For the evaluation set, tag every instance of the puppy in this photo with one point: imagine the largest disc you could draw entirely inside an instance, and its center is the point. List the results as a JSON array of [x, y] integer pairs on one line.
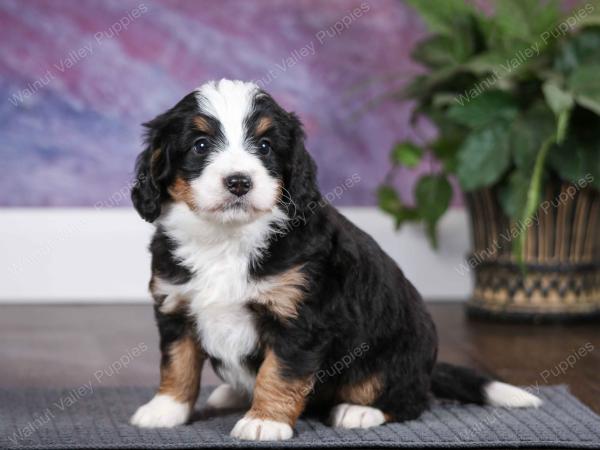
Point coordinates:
[[295, 307]]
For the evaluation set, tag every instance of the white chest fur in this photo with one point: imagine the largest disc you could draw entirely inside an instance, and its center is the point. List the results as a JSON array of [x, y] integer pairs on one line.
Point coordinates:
[[219, 257]]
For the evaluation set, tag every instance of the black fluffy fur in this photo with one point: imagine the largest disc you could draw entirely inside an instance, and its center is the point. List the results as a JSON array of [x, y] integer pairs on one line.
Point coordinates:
[[357, 296]]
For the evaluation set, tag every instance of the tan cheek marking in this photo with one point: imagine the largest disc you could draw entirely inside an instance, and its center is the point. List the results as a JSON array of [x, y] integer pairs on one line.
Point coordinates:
[[180, 375], [277, 398], [202, 124], [283, 293], [264, 123], [363, 393], [181, 191]]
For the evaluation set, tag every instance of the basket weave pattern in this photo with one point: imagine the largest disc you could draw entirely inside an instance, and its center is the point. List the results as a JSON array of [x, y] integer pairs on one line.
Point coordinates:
[[562, 255]]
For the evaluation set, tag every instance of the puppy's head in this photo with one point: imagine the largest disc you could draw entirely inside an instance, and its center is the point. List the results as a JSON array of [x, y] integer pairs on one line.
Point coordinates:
[[228, 152]]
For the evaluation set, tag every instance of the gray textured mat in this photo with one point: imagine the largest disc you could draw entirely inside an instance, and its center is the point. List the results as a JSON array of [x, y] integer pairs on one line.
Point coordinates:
[[96, 417]]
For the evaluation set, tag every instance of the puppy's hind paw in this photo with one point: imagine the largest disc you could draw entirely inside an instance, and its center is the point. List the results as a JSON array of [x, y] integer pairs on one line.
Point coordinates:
[[346, 415], [225, 397]]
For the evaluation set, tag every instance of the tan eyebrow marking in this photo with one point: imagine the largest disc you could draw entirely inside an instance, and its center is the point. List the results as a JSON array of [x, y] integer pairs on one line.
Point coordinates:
[[264, 123], [202, 124]]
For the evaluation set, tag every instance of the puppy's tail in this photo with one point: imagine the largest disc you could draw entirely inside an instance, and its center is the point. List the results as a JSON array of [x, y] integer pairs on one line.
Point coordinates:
[[468, 386]]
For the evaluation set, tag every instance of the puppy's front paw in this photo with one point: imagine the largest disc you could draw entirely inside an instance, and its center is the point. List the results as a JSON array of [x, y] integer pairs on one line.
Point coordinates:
[[346, 415], [261, 430], [162, 411]]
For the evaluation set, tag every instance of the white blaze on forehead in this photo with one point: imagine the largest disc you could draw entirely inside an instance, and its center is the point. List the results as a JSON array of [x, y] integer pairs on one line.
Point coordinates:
[[230, 102]]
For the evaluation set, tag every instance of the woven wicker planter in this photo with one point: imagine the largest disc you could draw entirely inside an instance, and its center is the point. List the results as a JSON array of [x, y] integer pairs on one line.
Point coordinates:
[[562, 258]]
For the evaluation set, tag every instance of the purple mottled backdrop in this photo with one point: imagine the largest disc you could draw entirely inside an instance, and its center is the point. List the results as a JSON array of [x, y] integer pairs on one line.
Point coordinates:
[[78, 77]]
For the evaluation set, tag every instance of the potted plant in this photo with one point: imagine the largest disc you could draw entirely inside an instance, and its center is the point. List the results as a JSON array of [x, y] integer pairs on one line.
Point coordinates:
[[515, 96]]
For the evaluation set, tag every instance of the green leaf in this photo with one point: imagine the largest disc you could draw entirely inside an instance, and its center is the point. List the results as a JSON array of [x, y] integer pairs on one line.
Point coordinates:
[[407, 154], [390, 203], [433, 52], [575, 159], [441, 50], [558, 100], [487, 62], [513, 195], [562, 104], [484, 109], [584, 82], [406, 214], [580, 49], [525, 20], [433, 194], [528, 133], [484, 156], [442, 17], [388, 200], [446, 150]]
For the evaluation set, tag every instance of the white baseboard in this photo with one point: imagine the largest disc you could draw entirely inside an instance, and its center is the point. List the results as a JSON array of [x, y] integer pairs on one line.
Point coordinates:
[[82, 255]]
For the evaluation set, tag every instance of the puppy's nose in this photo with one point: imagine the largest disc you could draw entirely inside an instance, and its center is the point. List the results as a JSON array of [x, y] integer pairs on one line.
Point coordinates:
[[238, 184]]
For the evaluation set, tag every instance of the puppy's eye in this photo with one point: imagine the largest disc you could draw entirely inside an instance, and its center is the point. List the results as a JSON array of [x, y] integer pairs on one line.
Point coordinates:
[[201, 145], [264, 146]]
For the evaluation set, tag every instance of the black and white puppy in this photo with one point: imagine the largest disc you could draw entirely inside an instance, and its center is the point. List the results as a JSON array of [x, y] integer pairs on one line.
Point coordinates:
[[296, 308]]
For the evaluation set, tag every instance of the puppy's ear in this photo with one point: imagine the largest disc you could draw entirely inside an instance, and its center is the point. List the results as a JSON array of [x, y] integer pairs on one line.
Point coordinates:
[[153, 168], [301, 181]]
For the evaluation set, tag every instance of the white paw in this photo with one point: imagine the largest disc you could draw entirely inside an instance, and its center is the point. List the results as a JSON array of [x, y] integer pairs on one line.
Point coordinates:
[[346, 415], [225, 397], [261, 430], [162, 411]]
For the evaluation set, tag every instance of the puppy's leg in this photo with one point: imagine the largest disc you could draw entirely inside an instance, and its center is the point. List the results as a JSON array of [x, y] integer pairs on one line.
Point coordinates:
[[277, 403], [404, 398], [180, 368]]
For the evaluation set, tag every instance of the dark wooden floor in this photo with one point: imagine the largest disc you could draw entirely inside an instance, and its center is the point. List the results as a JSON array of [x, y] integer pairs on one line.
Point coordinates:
[[66, 346]]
